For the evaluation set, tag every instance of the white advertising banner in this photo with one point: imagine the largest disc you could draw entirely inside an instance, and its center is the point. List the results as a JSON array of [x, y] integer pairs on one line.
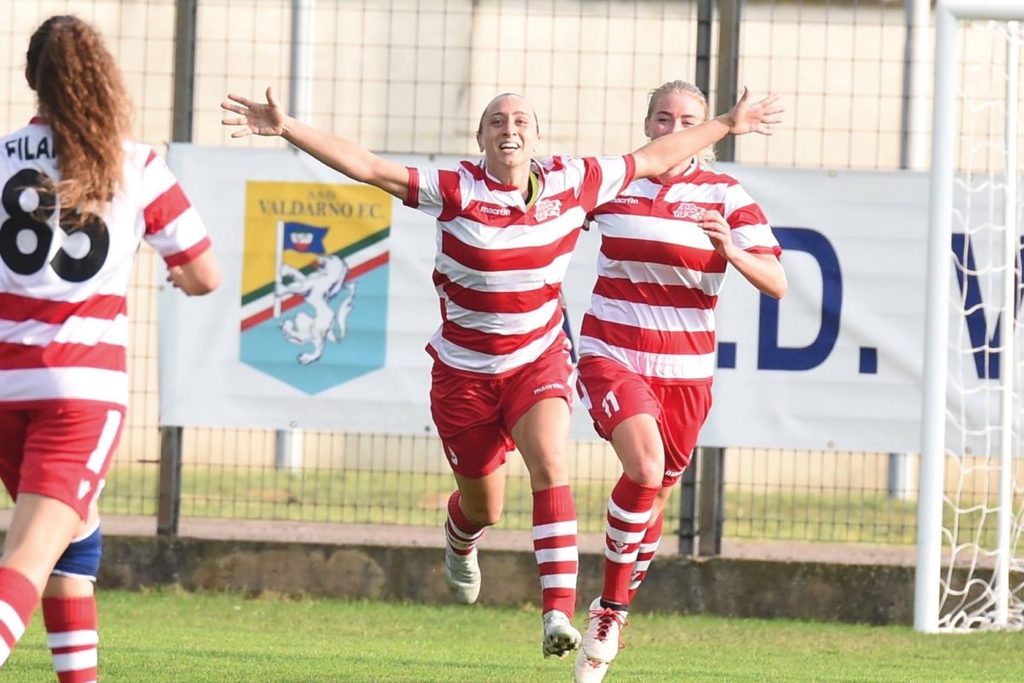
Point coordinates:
[[327, 303]]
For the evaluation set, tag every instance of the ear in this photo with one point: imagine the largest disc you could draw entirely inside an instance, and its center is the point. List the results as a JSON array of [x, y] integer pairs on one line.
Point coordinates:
[[480, 142]]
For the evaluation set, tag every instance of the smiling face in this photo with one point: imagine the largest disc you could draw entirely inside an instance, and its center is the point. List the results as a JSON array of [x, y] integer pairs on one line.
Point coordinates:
[[672, 112], [508, 133]]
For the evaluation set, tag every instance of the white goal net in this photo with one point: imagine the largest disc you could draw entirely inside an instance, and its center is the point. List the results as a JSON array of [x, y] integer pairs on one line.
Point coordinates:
[[971, 517]]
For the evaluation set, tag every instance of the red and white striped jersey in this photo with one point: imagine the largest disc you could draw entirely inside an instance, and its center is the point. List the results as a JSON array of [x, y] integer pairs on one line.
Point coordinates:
[[63, 312], [500, 264], [659, 275]]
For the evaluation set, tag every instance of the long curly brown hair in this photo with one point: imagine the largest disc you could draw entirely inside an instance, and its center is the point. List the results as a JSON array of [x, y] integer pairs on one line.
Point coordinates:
[[83, 99]]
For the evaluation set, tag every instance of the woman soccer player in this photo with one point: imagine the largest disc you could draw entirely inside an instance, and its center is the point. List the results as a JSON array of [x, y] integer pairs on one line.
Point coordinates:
[[507, 225], [77, 200], [647, 344]]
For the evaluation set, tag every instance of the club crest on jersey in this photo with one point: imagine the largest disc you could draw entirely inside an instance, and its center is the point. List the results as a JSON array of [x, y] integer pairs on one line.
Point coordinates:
[[547, 208], [688, 211], [313, 253]]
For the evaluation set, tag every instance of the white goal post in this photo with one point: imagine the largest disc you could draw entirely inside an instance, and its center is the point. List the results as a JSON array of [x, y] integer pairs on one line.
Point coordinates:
[[969, 576]]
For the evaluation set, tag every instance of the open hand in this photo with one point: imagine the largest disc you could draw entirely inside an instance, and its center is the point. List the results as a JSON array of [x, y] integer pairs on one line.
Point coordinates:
[[754, 117], [255, 118]]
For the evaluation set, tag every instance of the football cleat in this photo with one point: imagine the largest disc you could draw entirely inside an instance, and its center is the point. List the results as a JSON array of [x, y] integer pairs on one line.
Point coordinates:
[[462, 572], [560, 637]]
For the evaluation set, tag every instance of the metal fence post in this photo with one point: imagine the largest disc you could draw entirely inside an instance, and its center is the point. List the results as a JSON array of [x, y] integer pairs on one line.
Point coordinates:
[[711, 517], [169, 484], [711, 514], [184, 70], [168, 509], [726, 87], [688, 508], [702, 76]]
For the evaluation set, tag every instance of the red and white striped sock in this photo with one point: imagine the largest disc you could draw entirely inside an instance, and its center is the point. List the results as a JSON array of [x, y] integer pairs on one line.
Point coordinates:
[[72, 637], [18, 599], [629, 511], [462, 535], [554, 545], [648, 546]]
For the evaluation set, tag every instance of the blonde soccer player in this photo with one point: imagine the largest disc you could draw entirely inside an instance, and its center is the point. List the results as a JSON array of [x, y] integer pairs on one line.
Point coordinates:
[[506, 227], [647, 344]]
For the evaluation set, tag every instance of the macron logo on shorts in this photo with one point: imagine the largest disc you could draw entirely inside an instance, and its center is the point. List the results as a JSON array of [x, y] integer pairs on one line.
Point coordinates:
[[554, 386], [673, 473]]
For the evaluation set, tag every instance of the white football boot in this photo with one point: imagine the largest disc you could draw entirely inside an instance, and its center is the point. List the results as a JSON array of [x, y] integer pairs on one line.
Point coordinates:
[[560, 636], [462, 572], [600, 643]]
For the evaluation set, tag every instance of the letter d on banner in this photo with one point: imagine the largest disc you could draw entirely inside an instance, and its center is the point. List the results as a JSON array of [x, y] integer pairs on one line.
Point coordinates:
[[772, 356]]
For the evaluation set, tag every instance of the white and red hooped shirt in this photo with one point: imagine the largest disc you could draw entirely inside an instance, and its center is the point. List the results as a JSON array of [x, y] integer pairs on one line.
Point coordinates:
[[500, 263], [659, 276], [63, 293]]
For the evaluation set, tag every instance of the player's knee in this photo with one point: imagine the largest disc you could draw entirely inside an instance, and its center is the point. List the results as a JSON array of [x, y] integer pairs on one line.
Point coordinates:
[[81, 559], [645, 471], [482, 514]]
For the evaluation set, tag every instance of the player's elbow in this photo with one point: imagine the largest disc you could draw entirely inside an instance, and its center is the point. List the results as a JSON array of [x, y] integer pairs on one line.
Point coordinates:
[[207, 281], [201, 276], [205, 284], [777, 289]]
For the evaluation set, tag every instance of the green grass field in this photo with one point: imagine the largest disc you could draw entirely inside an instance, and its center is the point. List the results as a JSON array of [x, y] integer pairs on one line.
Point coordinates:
[[169, 635]]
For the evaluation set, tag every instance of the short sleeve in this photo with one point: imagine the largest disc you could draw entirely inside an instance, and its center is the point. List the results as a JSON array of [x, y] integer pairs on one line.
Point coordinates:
[[433, 191], [604, 178], [749, 226], [173, 226]]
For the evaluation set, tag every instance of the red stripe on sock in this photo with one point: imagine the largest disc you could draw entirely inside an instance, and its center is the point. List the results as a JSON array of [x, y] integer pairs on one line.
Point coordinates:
[[62, 615], [652, 536], [632, 497], [549, 506], [20, 593]]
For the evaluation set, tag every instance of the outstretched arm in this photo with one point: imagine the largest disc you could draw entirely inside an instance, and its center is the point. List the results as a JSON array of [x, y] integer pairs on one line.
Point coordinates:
[[661, 154], [337, 152]]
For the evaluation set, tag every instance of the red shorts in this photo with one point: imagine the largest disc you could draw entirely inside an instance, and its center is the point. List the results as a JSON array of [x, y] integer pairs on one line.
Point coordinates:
[[613, 393], [61, 451], [475, 414]]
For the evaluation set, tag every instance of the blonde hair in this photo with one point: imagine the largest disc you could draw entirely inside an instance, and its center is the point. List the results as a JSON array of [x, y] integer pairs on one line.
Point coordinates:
[[82, 97], [707, 154]]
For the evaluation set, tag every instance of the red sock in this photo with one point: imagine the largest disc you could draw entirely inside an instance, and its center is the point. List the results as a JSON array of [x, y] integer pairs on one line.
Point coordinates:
[[554, 545], [18, 598], [648, 546], [71, 634], [629, 511], [462, 534]]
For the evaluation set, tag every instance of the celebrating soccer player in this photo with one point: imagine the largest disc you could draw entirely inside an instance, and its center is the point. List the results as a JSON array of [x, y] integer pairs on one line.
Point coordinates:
[[78, 198], [647, 344], [507, 224]]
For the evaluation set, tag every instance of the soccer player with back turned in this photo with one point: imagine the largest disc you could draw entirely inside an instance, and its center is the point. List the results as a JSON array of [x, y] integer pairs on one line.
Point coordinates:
[[78, 198]]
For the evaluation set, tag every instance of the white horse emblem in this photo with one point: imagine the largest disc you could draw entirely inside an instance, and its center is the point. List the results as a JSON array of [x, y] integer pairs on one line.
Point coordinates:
[[318, 288]]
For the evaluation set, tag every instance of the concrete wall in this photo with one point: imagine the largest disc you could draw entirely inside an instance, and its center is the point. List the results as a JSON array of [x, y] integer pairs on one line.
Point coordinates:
[[725, 587]]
